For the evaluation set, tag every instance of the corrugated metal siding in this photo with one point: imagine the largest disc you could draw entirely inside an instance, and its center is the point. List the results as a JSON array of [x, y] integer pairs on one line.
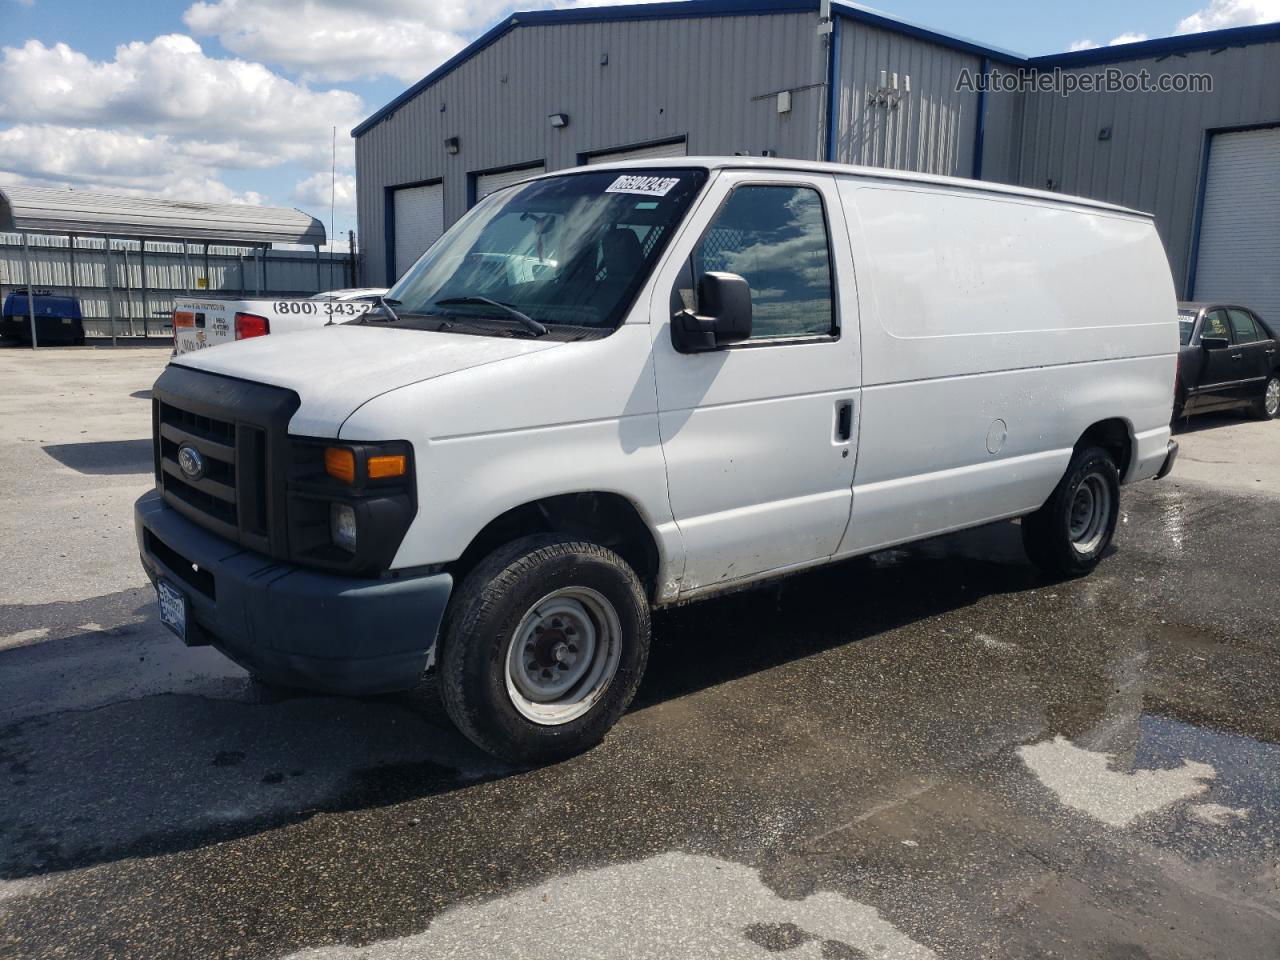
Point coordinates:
[[231, 271], [932, 129], [1153, 160], [1002, 140], [664, 79]]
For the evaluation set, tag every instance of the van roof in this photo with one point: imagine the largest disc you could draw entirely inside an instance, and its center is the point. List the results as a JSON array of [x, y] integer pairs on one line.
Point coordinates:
[[876, 173]]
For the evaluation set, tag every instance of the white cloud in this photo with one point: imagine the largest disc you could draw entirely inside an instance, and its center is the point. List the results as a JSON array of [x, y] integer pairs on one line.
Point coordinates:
[[109, 161], [1220, 14], [314, 191], [332, 40], [1127, 38], [162, 118], [1123, 38], [169, 85]]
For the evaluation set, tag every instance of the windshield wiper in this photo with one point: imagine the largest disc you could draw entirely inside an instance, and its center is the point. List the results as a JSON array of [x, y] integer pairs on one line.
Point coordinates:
[[530, 324], [385, 304]]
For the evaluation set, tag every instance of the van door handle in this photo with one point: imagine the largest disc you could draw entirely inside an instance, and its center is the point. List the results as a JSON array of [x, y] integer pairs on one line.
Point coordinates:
[[844, 420], [1236, 356]]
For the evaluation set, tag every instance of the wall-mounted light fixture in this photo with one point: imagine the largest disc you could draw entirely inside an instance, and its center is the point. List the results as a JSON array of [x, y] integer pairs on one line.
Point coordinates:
[[604, 59], [451, 144], [559, 119], [1104, 133]]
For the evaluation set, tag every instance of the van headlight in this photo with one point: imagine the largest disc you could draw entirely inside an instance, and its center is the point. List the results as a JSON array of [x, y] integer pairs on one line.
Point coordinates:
[[342, 526], [349, 504]]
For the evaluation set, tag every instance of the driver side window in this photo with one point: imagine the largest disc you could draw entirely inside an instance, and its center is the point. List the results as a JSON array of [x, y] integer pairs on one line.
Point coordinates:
[[775, 237]]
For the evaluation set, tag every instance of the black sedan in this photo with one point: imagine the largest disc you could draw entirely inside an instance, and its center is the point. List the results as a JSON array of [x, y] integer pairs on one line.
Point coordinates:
[[1228, 359]]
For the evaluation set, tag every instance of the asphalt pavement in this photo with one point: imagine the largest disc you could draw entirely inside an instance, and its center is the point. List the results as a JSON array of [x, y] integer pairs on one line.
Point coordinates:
[[929, 752]]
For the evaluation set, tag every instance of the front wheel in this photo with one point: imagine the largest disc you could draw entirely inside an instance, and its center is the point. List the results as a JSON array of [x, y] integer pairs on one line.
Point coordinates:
[[1267, 406], [1068, 535], [546, 641]]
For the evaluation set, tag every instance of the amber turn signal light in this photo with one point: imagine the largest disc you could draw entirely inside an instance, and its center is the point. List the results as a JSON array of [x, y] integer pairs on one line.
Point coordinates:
[[387, 466], [340, 464]]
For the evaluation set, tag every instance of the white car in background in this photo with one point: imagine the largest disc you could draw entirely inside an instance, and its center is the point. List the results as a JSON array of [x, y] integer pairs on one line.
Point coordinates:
[[203, 322]]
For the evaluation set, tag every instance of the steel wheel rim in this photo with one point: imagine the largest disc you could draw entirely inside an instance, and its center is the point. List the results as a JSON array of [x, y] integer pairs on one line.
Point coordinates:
[[1272, 400], [563, 655], [1089, 513]]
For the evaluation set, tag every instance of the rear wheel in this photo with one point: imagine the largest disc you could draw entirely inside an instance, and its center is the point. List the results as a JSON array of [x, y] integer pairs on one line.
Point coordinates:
[[1068, 535], [546, 642], [1267, 406]]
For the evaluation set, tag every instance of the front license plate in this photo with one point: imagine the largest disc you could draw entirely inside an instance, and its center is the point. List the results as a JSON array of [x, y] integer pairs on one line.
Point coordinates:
[[173, 608]]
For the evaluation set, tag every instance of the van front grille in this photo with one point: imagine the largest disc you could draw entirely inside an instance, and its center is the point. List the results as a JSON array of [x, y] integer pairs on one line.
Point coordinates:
[[232, 427]]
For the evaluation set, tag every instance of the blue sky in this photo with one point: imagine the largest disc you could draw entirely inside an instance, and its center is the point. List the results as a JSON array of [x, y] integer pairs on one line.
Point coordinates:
[[96, 27], [264, 136]]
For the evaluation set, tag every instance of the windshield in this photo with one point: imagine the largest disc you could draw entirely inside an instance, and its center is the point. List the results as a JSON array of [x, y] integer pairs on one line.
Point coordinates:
[[1186, 325], [570, 250]]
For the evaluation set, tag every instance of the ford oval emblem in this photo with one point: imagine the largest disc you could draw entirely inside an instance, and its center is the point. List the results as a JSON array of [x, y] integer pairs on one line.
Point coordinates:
[[190, 462]]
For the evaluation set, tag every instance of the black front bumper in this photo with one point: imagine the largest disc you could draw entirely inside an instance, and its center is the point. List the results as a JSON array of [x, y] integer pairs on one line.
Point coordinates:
[[288, 624]]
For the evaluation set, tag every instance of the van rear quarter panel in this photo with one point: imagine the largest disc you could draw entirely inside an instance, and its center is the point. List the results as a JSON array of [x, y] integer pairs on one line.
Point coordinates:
[[995, 330]]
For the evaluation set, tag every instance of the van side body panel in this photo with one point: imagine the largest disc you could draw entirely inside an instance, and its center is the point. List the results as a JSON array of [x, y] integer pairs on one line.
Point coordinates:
[[995, 331]]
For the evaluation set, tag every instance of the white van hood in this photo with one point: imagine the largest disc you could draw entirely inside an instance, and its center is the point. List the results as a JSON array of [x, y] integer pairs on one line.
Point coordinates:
[[336, 369]]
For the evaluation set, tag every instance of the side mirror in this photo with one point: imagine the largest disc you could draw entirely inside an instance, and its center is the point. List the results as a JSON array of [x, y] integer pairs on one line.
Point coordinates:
[[725, 299], [1214, 343]]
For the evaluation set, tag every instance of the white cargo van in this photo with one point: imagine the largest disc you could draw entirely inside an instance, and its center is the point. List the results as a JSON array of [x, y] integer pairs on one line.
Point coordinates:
[[617, 388]]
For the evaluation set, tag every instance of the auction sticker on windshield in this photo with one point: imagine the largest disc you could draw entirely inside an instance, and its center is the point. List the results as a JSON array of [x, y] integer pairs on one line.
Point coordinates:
[[648, 186]]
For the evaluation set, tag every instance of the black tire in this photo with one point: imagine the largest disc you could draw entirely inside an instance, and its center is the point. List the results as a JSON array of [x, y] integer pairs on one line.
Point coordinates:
[[493, 602], [1259, 406], [1049, 537]]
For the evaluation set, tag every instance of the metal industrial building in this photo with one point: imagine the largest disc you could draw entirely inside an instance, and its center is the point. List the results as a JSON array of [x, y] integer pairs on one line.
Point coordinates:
[[125, 257], [817, 80]]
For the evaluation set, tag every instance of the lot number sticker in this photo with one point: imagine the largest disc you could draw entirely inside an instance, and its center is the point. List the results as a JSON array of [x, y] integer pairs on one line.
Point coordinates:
[[647, 186]]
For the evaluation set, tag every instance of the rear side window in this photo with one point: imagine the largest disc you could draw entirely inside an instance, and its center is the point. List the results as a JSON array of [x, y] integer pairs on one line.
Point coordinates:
[[1243, 327], [1215, 325], [775, 237]]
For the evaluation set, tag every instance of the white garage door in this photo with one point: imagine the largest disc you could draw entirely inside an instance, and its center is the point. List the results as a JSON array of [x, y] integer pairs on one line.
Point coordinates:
[[1239, 256], [419, 221], [677, 149], [486, 183]]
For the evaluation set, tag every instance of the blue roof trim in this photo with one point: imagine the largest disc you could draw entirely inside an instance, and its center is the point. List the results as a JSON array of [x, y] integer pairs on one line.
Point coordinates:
[[1161, 46], [688, 9], [872, 17], [680, 10]]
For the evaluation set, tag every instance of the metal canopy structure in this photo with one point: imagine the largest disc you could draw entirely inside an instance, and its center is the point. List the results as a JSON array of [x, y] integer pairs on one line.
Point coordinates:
[[71, 213], [48, 210]]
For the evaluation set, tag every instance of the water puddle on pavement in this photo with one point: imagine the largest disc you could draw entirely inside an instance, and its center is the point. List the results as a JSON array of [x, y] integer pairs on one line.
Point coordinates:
[[1089, 782], [672, 906], [1204, 777]]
